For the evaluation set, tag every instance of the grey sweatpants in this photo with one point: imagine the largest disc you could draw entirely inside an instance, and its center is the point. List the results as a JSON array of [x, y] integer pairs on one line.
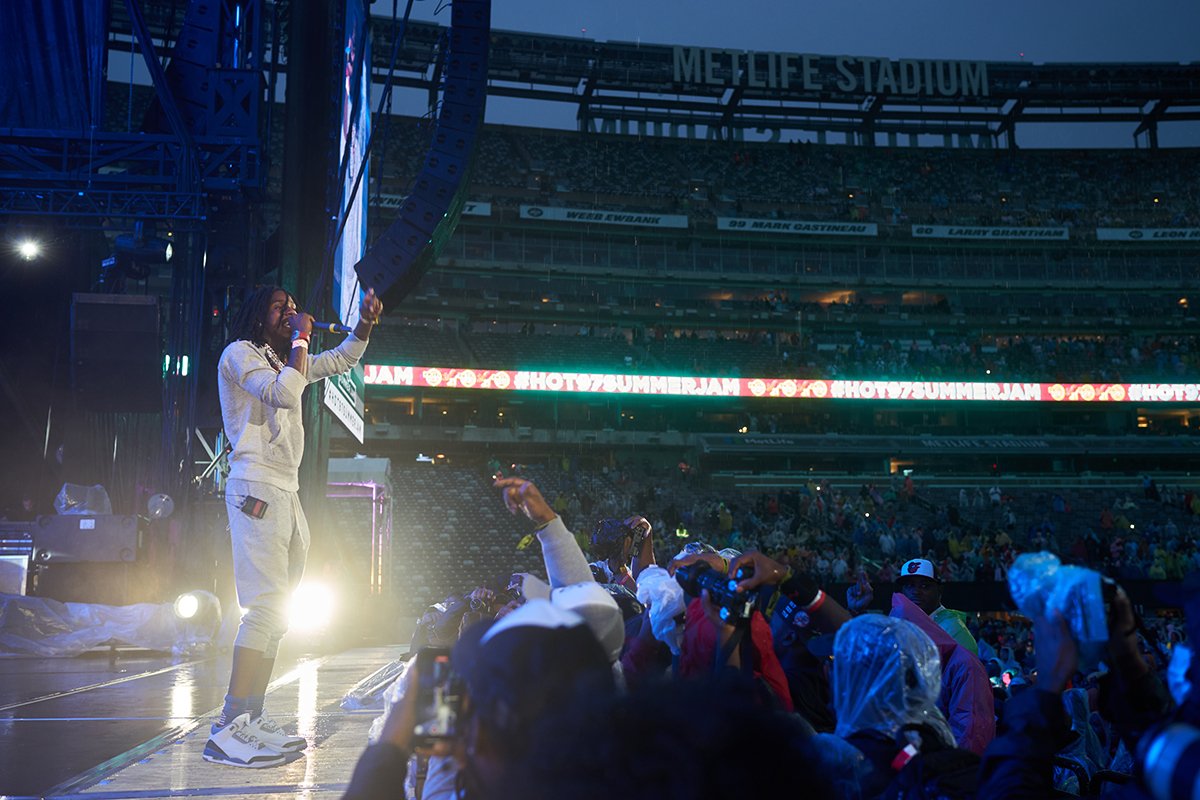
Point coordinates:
[[268, 561]]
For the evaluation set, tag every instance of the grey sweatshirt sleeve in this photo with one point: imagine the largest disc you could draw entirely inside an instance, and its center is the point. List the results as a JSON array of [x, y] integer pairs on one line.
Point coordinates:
[[340, 359], [565, 563], [244, 366]]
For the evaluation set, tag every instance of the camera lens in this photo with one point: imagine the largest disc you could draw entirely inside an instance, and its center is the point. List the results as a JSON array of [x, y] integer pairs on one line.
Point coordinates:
[[1169, 761]]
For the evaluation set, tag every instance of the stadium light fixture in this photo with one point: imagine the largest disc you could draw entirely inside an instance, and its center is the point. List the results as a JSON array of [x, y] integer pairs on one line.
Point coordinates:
[[29, 249]]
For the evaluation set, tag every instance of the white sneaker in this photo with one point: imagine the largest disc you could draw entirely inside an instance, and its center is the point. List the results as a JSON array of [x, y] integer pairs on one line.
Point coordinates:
[[267, 731], [237, 745]]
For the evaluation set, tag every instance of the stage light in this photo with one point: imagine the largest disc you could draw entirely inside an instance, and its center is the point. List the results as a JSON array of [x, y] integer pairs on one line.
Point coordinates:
[[152, 250], [312, 608], [186, 605], [198, 608], [199, 618], [29, 249]]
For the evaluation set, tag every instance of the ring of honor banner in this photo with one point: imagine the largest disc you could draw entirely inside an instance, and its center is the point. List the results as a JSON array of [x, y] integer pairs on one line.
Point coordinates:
[[600, 216], [975, 232], [1148, 235], [797, 226], [685, 386]]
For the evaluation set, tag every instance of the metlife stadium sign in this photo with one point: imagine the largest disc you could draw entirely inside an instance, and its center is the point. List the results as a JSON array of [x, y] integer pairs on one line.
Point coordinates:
[[599, 216], [379, 375], [848, 75]]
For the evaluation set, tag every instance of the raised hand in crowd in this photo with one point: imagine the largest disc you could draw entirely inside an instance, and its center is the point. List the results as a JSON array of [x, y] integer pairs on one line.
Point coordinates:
[[766, 571], [481, 596], [859, 594], [521, 495], [1056, 654], [826, 613], [1123, 637], [643, 543], [712, 559]]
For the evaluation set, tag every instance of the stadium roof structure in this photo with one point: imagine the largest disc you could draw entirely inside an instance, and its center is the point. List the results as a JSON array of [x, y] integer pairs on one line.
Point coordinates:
[[648, 88]]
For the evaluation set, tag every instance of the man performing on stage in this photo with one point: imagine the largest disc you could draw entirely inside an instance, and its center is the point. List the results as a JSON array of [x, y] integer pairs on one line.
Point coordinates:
[[261, 377]]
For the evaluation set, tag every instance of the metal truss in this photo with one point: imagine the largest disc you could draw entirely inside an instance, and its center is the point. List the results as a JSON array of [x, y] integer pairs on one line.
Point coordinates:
[[91, 207], [119, 175]]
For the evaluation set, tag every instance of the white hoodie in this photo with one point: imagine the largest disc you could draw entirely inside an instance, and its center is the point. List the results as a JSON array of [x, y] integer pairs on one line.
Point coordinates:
[[261, 408]]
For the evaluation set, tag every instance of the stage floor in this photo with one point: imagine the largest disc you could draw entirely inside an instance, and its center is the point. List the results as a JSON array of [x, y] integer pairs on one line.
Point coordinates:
[[129, 725]]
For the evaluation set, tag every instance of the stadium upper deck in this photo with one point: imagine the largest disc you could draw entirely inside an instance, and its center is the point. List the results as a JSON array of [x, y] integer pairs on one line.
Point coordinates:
[[653, 85], [711, 184]]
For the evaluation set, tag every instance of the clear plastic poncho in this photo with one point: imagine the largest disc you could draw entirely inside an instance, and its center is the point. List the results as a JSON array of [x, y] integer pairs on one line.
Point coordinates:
[[886, 674], [1039, 582], [663, 595]]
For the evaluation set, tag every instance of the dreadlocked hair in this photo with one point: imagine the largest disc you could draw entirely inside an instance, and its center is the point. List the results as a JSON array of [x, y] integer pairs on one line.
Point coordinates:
[[248, 322]]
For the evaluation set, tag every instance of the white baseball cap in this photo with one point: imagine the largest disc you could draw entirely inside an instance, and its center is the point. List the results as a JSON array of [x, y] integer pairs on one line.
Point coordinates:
[[589, 600], [918, 566]]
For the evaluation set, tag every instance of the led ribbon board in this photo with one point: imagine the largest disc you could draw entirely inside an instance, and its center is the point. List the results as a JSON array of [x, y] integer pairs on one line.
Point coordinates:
[[684, 386]]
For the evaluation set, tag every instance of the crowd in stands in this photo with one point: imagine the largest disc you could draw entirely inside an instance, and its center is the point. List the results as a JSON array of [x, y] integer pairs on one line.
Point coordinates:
[[900, 186], [680, 666], [877, 355]]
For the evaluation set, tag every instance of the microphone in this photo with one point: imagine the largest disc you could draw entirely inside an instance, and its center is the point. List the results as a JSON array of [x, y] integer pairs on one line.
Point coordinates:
[[332, 327]]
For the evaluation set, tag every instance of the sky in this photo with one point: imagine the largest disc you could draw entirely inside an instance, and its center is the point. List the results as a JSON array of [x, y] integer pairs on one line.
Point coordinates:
[[1038, 31]]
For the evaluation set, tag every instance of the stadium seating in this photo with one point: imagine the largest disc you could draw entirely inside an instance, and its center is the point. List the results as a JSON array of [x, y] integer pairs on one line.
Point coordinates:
[[823, 182]]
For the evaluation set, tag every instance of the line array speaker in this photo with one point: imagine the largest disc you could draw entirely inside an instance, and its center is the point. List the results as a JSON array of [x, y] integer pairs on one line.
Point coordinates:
[[404, 252]]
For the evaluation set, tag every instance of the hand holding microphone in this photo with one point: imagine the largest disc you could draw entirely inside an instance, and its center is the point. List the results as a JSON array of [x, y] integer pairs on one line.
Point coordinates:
[[301, 324]]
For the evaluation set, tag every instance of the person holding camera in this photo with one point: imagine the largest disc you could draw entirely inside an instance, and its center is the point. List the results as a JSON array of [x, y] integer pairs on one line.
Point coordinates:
[[623, 549], [514, 669], [765, 587], [510, 676]]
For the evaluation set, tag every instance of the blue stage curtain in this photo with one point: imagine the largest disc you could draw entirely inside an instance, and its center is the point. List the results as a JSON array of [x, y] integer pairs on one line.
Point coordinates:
[[52, 61]]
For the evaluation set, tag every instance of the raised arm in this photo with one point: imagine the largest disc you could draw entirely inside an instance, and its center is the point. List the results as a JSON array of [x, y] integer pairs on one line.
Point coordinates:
[[565, 562], [346, 355]]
